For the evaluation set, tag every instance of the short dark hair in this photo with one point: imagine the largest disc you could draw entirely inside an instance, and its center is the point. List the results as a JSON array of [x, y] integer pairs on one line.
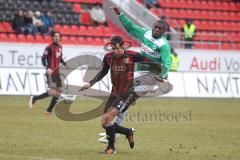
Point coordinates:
[[164, 24], [117, 40], [56, 32]]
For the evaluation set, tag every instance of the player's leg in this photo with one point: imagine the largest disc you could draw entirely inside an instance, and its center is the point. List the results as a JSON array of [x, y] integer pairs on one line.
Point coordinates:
[[118, 120], [122, 106], [33, 99], [46, 94], [55, 92], [108, 125]]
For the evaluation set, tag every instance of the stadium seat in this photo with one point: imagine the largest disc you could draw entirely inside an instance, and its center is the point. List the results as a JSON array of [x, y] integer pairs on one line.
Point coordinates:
[[99, 31], [90, 41], [225, 5], [39, 39], [3, 37], [82, 30], [73, 40], [66, 29], [232, 6], [218, 5], [155, 11], [232, 16], [12, 37], [182, 4], [226, 26], [7, 27], [204, 14], [99, 41], [225, 16], [107, 31], [91, 31], [196, 14], [226, 46], [213, 46], [77, 8], [74, 30], [175, 13], [21, 38], [65, 40], [233, 26], [211, 25], [30, 38], [204, 5], [218, 25], [189, 14], [182, 13], [218, 15], [189, 4], [81, 41], [211, 15], [86, 18], [204, 25], [47, 39], [58, 28], [211, 5]]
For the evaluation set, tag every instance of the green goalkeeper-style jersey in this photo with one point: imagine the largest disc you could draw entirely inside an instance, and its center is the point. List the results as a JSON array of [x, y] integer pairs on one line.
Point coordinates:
[[157, 50]]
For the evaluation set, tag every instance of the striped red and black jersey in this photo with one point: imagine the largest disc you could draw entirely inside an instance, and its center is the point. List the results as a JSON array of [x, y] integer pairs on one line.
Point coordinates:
[[121, 70], [52, 57]]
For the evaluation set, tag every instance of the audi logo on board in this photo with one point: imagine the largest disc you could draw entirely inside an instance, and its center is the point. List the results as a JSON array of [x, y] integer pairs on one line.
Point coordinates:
[[118, 68]]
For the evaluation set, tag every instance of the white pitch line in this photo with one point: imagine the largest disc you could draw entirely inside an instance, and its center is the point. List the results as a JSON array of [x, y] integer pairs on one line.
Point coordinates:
[[27, 157]]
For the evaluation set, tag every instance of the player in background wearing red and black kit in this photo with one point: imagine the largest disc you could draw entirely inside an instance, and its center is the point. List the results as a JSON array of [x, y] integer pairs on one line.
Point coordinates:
[[120, 62], [51, 59]]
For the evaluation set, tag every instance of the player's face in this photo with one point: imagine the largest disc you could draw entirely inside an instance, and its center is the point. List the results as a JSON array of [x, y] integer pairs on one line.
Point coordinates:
[[56, 38], [117, 49], [157, 30]]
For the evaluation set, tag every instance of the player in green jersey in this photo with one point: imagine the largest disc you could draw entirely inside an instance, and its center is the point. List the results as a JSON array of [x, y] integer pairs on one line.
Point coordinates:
[[154, 44]]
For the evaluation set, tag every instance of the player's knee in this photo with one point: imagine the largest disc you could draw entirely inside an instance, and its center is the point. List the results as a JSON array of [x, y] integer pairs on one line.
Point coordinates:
[[54, 92]]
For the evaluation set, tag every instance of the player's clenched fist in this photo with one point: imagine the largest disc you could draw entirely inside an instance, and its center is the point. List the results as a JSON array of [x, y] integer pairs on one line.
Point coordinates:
[[116, 10], [86, 86]]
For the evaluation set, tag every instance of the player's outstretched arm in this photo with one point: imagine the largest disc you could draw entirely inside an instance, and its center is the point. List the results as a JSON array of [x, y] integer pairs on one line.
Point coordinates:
[[132, 28], [102, 73]]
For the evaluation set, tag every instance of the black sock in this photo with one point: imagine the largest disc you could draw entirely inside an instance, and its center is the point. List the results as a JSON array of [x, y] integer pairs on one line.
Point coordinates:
[[122, 130], [41, 96], [52, 104], [110, 131]]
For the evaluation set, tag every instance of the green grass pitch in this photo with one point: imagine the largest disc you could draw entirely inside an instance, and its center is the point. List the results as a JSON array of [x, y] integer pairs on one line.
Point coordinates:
[[167, 129]]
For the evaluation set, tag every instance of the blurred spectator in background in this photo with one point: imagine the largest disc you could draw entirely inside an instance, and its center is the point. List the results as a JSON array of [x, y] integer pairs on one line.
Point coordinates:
[[175, 61], [29, 23], [189, 30], [18, 23], [37, 21], [152, 3], [98, 16], [48, 22]]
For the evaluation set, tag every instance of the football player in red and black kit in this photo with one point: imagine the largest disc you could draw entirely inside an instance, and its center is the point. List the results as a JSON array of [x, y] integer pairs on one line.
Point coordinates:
[[51, 59], [120, 62]]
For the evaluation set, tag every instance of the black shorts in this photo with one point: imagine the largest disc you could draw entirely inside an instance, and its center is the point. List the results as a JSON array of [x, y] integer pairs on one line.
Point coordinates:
[[54, 81], [120, 101]]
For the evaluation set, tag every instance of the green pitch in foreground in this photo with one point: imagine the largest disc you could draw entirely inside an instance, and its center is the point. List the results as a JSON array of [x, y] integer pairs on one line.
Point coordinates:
[[167, 129]]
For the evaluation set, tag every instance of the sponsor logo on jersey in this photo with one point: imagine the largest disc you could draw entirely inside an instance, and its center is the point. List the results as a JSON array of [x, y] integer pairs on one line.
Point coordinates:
[[150, 51], [118, 68]]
